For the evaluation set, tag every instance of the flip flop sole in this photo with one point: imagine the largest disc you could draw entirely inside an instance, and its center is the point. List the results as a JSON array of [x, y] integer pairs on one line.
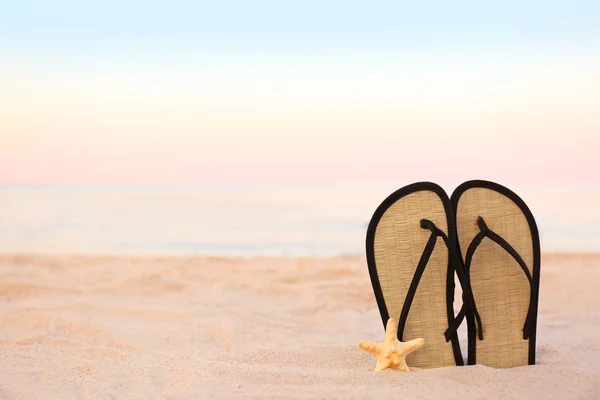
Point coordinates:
[[395, 243], [500, 287]]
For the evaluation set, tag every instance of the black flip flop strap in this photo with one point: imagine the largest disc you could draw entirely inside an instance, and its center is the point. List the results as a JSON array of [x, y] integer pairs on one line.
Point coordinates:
[[468, 301], [429, 247], [471, 301], [487, 232]]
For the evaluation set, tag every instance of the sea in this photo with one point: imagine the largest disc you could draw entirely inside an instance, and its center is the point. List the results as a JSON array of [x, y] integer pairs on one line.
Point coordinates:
[[245, 220]]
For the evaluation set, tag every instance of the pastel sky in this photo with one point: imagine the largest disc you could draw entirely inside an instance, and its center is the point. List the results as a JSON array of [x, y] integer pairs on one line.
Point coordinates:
[[315, 91]]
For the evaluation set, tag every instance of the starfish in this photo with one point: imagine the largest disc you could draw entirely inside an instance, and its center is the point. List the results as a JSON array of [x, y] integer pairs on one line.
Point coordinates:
[[392, 352]]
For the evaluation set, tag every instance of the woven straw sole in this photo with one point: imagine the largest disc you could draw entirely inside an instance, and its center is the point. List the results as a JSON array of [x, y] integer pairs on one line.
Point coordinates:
[[500, 287], [398, 243]]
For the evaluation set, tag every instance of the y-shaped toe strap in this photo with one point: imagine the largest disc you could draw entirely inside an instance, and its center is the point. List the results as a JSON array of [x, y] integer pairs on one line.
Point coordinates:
[[429, 247], [469, 304]]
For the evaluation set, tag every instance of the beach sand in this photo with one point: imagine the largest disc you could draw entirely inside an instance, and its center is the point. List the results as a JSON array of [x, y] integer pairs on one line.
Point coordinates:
[[100, 327]]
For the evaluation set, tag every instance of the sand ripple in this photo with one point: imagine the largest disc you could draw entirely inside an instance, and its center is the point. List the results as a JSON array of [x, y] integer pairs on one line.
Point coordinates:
[[104, 327]]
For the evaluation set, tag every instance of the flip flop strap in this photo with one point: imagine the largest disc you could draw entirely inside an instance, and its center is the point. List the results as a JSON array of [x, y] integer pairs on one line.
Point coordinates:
[[485, 231], [468, 307], [429, 247]]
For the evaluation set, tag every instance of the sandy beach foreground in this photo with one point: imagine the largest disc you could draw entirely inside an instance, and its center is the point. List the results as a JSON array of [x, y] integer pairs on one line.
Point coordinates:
[[100, 327]]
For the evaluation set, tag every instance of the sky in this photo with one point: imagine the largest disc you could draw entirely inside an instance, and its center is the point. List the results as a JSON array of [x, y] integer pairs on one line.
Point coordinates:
[[314, 91]]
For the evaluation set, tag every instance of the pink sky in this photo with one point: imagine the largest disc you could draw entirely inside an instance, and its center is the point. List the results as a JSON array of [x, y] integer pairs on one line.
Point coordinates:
[[524, 122], [63, 161]]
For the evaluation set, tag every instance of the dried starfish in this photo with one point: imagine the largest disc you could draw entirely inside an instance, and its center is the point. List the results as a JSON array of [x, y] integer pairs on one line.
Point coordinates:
[[392, 352]]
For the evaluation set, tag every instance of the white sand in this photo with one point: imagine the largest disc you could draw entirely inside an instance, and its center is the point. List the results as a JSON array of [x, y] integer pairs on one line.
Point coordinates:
[[177, 328]]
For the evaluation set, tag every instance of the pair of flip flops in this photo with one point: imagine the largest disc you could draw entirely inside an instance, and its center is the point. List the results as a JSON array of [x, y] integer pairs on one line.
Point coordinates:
[[418, 241]]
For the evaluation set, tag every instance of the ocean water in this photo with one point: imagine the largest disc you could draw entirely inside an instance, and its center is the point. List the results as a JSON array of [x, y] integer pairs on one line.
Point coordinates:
[[286, 220]]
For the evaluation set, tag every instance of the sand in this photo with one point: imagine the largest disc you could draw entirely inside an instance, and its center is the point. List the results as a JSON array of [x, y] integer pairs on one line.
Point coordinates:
[[99, 327]]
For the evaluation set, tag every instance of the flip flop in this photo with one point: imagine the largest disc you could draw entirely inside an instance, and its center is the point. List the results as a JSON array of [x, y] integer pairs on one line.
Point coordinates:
[[411, 258], [499, 248]]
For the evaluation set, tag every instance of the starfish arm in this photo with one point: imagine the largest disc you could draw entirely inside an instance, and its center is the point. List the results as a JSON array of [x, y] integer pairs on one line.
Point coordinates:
[[390, 330], [382, 363], [391, 353], [402, 366], [372, 348], [412, 345]]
